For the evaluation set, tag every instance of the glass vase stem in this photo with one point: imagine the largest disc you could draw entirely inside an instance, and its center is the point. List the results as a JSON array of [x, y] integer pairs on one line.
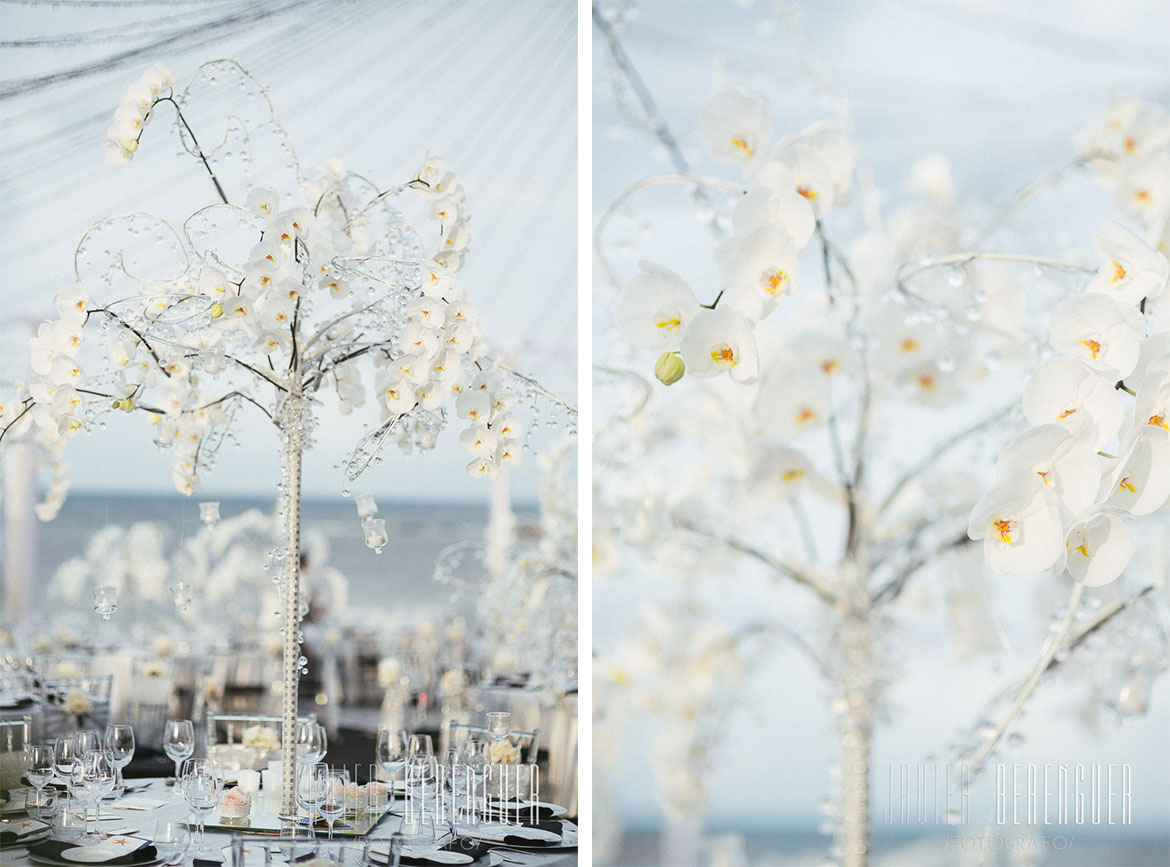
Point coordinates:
[[291, 420]]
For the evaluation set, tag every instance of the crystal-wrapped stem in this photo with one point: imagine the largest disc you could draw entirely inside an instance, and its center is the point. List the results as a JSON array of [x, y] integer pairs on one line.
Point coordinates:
[[291, 420], [857, 691]]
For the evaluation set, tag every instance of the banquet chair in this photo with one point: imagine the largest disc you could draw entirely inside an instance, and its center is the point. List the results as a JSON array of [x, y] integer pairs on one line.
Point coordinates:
[[62, 666], [60, 719], [15, 738]]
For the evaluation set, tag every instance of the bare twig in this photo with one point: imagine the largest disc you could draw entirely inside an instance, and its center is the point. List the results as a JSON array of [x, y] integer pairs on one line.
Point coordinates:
[[786, 569]]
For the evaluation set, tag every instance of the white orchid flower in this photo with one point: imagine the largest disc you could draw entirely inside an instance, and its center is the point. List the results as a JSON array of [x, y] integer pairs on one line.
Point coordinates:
[[759, 270], [736, 126], [792, 402], [654, 308], [1152, 403], [1070, 393], [720, 341], [1098, 548], [1020, 529], [810, 172], [1140, 481], [1132, 271], [1099, 330], [1052, 458]]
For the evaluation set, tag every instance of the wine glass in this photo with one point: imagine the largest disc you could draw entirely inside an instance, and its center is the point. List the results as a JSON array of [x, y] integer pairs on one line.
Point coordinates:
[[42, 803], [89, 740], [172, 840], [67, 759], [40, 765], [95, 780], [119, 741], [179, 742], [499, 725], [201, 792], [332, 806], [312, 743], [421, 744], [311, 782], [392, 750]]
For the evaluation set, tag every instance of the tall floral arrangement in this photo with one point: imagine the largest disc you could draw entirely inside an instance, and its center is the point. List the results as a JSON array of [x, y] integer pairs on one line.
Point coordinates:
[[782, 443], [284, 289]]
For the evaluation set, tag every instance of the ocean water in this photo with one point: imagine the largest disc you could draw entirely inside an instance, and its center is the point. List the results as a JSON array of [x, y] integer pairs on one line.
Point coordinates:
[[403, 572]]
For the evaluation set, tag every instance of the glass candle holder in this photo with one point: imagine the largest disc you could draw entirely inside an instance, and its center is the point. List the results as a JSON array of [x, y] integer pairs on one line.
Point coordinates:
[[181, 595], [209, 514], [375, 530], [105, 600], [366, 507]]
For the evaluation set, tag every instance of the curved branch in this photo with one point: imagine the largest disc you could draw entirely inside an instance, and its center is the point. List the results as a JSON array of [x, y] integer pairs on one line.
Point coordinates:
[[786, 569]]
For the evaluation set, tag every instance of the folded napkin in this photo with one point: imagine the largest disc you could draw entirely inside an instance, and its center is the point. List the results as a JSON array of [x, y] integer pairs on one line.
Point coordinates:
[[11, 831], [54, 850], [140, 803]]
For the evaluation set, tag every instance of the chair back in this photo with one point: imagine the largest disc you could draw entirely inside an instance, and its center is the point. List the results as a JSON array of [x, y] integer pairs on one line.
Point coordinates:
[[15, 738], [71, 704]]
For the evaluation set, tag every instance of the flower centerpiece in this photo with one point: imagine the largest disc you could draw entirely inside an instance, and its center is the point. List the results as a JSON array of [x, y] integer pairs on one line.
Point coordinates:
[[283, 289]]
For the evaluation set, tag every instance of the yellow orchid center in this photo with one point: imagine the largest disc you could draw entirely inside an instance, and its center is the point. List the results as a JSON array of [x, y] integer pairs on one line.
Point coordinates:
[[670, 324], [792, 475], [908, 345], [1130, 145], [1094, 347], [1004, 527], [774, 280], [1128, 485], [724, 355], [926, 382], [1067, 413], [1118, 272], [804, 415], [808, 192], [1159, 421], [1084, 550], [1043, 474], [741, 145], [829, 366], [1143, 196]]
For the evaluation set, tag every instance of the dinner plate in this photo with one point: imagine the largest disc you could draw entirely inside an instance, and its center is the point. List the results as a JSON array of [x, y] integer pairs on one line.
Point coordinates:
[[50, 862], [512, 806]]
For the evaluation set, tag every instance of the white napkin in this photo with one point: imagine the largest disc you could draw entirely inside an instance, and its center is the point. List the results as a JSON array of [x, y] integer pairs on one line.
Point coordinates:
[[22, 827], [140, 803], [107, 850]]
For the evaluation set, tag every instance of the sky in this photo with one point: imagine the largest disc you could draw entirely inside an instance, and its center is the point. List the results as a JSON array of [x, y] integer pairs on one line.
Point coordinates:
[[490, 86], [1001, 89]]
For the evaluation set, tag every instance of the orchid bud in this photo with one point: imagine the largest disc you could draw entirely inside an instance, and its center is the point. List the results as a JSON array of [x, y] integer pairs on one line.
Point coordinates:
[[127, 404], [669, 368], [216, 310]]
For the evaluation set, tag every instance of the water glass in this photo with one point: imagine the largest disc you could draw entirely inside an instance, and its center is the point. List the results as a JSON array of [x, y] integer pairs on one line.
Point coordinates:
[[312, 743], [42, 804], [172, 840], [69, 823], [332, 807], [201, 791]]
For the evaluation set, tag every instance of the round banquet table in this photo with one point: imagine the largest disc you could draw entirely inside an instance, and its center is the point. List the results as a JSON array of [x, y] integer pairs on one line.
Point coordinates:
[[142, 822]]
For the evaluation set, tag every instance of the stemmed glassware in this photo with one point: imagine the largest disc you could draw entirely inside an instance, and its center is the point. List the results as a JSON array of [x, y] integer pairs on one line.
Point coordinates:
[[119, 741], [172, 840], [392, 750], [67, 759], [312, 743], [332, 806], [179, 742], [95, 780], [200, 785], [375, 532], [89, 740], [40, 765], [311, 783], [420, 767]]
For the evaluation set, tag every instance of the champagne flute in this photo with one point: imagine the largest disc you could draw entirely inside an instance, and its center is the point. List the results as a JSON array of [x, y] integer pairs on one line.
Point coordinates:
[[120, 742], [179, 742], [392, 750], [201, 791], [333, 804]]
